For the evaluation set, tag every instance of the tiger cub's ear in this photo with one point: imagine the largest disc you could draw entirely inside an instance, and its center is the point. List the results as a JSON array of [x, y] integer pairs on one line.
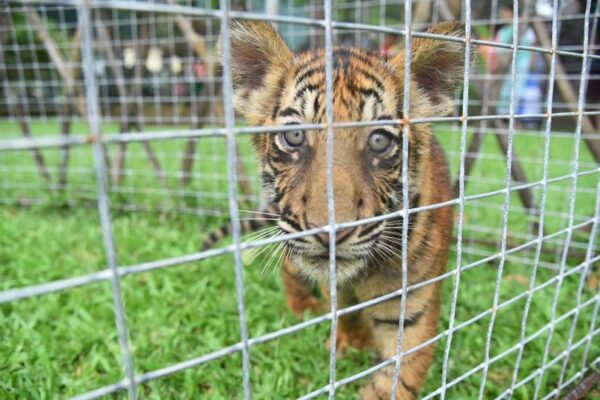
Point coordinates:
[[258, 54], [437, 66]]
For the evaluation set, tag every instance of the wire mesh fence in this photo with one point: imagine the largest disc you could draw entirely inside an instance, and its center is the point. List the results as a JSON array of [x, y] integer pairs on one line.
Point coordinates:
[[126, 108]]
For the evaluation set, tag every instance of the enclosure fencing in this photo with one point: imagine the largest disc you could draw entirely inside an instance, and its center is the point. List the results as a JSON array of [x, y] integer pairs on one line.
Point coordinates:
[[120, 120]]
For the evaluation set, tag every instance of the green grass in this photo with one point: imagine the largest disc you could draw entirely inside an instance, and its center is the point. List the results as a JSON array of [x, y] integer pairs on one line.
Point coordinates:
[[65, 343]]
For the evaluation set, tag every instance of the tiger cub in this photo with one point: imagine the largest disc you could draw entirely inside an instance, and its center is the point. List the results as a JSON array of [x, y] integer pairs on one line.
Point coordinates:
[[274, 86]]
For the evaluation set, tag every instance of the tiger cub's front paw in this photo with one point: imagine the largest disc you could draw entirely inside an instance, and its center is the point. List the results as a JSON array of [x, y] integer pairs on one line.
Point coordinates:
[[357, 338], [298, 305]]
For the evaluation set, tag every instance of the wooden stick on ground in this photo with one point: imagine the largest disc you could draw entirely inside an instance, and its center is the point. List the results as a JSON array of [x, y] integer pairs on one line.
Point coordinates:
[[584, 387]]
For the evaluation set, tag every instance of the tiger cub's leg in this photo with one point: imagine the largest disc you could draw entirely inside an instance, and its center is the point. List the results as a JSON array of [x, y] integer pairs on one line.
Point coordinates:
[[352, 329], [420, 322], [298, 292]]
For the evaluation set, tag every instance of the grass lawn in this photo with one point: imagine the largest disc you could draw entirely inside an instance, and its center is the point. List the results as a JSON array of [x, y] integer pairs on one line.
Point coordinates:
[[65, 343]]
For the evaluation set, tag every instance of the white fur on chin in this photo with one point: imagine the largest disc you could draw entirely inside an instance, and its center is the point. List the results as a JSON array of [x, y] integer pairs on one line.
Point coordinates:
[[318, 270]]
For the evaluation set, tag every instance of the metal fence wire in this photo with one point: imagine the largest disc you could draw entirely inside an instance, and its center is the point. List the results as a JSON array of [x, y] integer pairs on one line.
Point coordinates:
[[125, 106]]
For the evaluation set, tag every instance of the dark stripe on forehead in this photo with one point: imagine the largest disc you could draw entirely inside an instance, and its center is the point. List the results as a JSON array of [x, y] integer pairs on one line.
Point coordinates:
[[310, 65], [279, 93], [346, 102], [369, 76], [365, 92], [370, 92], [399, 108], [288, 112], [337, 75], [307, 74], [346, 53], [341, 58], [361, 107], [308, 59], [316, 104], [304, 89]]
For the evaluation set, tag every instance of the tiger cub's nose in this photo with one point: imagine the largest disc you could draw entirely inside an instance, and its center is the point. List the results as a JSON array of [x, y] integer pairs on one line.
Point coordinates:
[[340, 235]]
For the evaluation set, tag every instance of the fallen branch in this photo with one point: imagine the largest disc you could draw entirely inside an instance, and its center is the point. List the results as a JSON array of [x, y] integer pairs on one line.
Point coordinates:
[[583, 387]]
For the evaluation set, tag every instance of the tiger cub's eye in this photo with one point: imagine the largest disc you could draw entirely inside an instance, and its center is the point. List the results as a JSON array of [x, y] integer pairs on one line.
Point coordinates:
[[379, 141], [293, 138]]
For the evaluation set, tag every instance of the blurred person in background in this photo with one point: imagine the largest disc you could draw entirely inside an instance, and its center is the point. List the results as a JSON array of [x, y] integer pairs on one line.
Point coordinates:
[[527, 85]]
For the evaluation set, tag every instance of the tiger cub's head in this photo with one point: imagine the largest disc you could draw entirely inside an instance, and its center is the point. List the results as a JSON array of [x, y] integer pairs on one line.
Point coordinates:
[[274, 86]]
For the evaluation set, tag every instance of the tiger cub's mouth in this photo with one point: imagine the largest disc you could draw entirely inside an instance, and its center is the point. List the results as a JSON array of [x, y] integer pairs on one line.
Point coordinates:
[[316, 267], [314, 263], [352, 254]]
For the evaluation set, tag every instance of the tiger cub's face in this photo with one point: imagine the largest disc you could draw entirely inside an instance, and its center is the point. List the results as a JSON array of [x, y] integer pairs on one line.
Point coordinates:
[[273, 86]]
